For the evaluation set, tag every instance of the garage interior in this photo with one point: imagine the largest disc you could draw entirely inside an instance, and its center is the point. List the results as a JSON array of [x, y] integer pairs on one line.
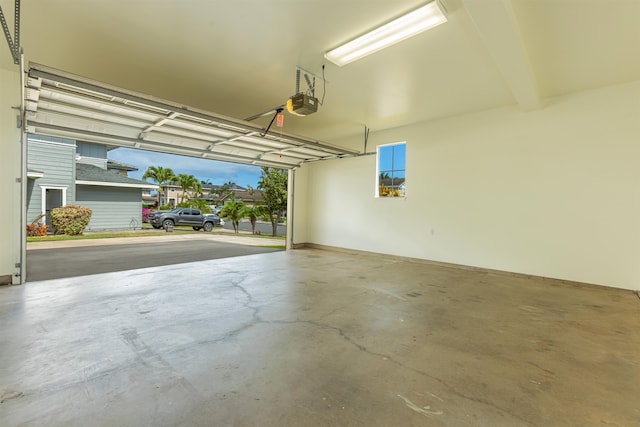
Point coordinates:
[[502, 289]]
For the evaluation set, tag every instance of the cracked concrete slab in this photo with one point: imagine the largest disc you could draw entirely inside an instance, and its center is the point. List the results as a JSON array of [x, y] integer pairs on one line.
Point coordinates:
[[315, 337]]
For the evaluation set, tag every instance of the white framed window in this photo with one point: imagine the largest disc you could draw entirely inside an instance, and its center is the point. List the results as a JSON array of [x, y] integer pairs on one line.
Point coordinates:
[[391, 160]]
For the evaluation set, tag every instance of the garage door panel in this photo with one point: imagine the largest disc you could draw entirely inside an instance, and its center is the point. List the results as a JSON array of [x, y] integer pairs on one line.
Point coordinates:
[[62, 104]]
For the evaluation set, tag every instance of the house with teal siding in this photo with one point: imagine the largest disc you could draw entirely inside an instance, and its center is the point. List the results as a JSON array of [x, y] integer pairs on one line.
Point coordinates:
[[61, 172]]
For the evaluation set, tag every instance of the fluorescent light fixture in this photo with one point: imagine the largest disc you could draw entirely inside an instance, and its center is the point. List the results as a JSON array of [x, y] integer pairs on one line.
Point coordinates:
[[409, 25]]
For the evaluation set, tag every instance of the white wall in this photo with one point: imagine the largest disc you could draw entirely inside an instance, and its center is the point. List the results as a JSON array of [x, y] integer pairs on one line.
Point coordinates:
[[10, 169], [553, 192], [114, 208]]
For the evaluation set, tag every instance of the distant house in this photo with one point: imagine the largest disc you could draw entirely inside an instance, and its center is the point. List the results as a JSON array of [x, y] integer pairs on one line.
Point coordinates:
[[170, 195], [394, 184], [121, 168], [218, 195], [149, 200], [62, 172], [214, 195]]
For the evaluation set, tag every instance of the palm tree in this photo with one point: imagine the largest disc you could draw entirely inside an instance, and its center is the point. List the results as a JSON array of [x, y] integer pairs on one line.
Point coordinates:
[[197, 188], [234, 212], [186, 182], [252, 212], [160, 175]]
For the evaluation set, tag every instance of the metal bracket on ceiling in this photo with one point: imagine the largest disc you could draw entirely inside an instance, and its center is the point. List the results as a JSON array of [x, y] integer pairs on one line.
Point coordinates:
[[14, 45], [309, 77], [311, 82]]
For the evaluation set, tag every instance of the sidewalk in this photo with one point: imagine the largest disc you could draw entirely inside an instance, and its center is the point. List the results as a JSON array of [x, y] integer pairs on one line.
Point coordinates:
[[242, 239]]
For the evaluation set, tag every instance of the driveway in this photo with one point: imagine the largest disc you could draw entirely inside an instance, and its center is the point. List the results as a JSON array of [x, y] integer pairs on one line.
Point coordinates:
[[53, 260]]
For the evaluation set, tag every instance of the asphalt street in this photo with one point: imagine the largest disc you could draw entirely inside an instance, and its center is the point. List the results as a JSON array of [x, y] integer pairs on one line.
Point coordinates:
[[46, 264], [264, 228]]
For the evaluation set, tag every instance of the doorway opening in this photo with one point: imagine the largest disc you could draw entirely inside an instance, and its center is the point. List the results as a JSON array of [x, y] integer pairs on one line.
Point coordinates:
[[53, 199]]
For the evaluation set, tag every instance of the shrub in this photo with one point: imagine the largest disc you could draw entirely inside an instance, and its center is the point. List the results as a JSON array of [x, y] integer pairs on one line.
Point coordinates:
[[145, 214], [36, 228], [71, 219]]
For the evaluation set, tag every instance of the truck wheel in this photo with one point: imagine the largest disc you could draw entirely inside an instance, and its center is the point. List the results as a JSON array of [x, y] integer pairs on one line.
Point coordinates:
[[208, 226], [167, 223], [196, 228]]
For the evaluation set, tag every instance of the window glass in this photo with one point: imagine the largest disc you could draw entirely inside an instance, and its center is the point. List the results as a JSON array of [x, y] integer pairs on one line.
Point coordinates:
[[391, 170]]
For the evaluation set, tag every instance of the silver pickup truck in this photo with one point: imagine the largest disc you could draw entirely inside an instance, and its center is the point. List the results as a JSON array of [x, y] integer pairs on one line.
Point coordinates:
[[185, 216]]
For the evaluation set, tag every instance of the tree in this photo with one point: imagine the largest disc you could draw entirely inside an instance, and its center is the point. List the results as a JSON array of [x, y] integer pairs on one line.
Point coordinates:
[[252, 212], [199, 204], [160, 175], [186, 182], [197, 188], [273, 183], [234, 212]]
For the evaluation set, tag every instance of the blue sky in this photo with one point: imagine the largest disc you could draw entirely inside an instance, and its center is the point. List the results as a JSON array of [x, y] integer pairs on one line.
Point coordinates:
[[215, 171], [393, 159]]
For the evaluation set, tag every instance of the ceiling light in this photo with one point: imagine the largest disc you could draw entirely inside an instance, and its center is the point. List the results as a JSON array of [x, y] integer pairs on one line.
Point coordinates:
[[409, 25]]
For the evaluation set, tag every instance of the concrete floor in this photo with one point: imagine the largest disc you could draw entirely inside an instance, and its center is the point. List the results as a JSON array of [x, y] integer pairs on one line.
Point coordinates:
[[317, 338]]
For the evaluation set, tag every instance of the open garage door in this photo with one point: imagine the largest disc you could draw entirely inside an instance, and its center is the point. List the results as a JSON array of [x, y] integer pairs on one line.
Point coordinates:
[[64, 105], [60, 104]]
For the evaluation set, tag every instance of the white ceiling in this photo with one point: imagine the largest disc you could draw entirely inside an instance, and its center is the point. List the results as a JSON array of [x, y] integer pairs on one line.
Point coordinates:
[[238, 57]]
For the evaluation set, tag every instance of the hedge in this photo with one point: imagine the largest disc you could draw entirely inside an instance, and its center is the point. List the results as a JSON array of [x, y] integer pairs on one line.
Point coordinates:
[[70, 219]]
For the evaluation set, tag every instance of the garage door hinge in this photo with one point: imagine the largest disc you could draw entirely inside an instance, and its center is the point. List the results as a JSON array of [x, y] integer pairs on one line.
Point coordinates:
[[18, 265], [18, 180], [19, 122]]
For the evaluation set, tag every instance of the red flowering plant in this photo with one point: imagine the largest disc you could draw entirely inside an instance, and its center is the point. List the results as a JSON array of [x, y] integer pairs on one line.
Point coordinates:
[[37, 228], [145, 214]]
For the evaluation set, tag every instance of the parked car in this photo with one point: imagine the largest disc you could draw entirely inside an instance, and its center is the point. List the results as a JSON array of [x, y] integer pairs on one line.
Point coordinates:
[[185, 216]]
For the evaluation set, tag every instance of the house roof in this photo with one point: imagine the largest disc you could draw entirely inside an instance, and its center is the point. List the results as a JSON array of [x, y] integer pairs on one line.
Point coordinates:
[[389, 182], [213, 187], [93, 175], [244, 195], [112, 164]]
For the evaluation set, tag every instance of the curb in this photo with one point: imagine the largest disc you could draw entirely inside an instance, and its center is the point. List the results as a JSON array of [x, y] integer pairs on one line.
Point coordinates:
[[169, 237]]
